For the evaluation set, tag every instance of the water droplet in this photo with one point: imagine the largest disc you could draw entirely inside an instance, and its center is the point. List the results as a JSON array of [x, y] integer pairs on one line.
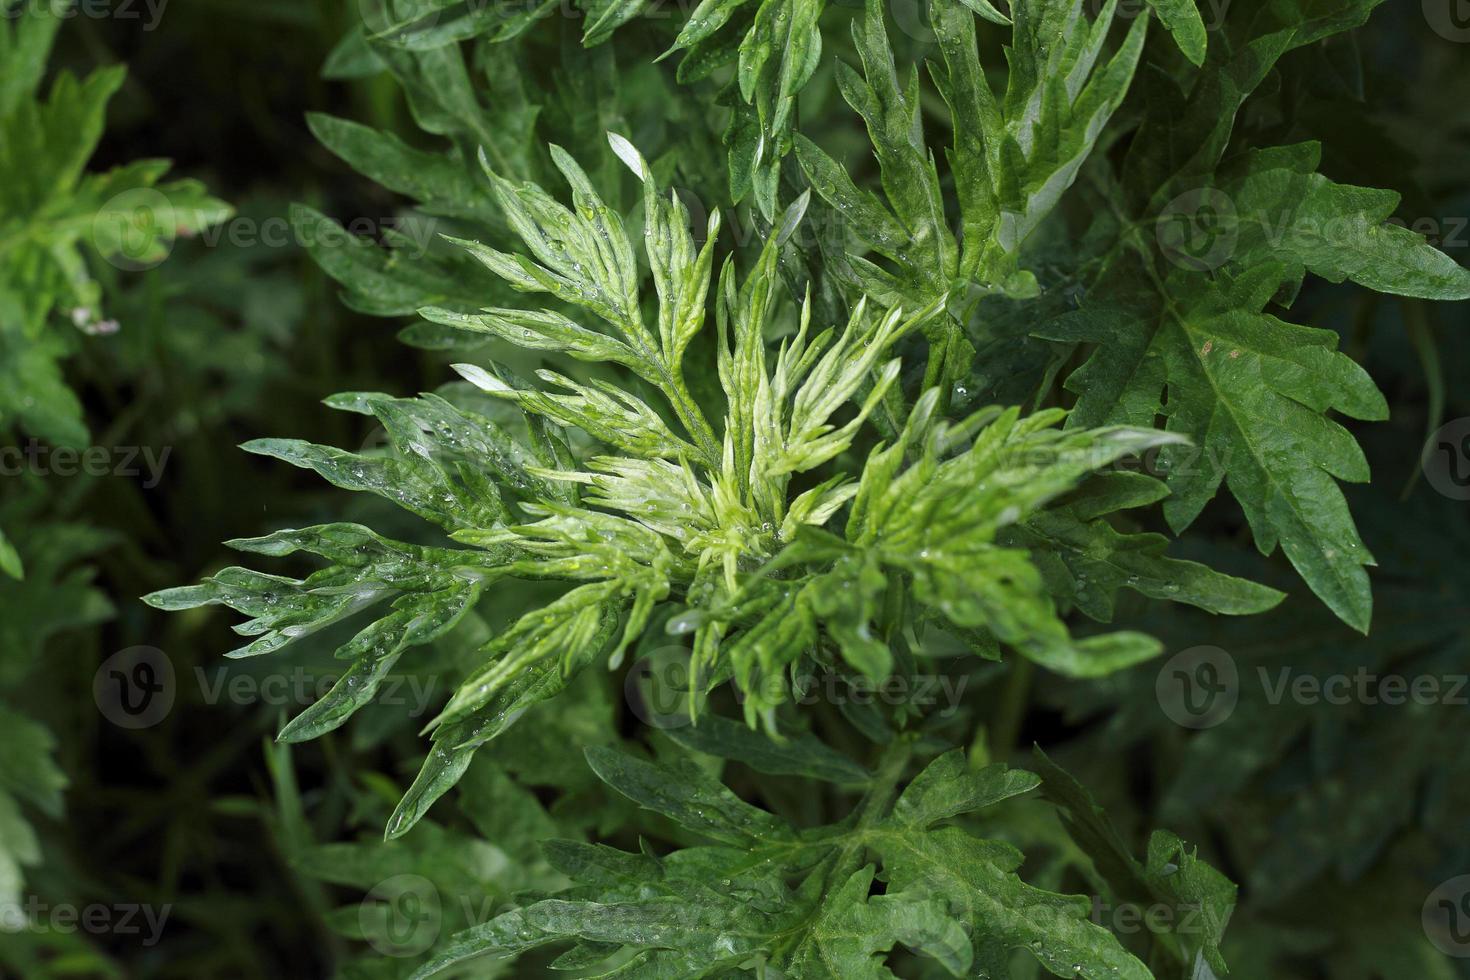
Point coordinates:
[[686, 622]]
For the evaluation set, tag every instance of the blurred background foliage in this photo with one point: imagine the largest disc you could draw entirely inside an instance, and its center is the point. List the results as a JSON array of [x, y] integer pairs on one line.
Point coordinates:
[[264, 852]]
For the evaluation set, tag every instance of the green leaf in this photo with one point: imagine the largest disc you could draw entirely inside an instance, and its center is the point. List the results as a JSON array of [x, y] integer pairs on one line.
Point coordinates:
[[1288, 213], [1200, 898], [455, 743], [801, 755], [686, 796], [392, 281], [444, 185], [59, 224], [949, 787], [656, 505], [10, 562], [1182, 19], [57, 593], [1012, 159], [1085, 559], [1251, 391], [29, 772], [950, 898]]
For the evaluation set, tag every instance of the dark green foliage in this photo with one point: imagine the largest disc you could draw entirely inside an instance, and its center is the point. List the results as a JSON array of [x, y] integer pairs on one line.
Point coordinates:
[[811, 405]]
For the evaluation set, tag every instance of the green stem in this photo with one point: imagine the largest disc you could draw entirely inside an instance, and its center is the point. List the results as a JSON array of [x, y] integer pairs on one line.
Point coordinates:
[[934, 369], [870, 810], [1007, 726], [947, 363], [1416, 320], [873, 807], [693, 419]]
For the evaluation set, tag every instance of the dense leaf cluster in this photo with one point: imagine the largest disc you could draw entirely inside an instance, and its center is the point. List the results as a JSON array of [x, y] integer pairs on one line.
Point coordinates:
[[916, 421], [60, 227]]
